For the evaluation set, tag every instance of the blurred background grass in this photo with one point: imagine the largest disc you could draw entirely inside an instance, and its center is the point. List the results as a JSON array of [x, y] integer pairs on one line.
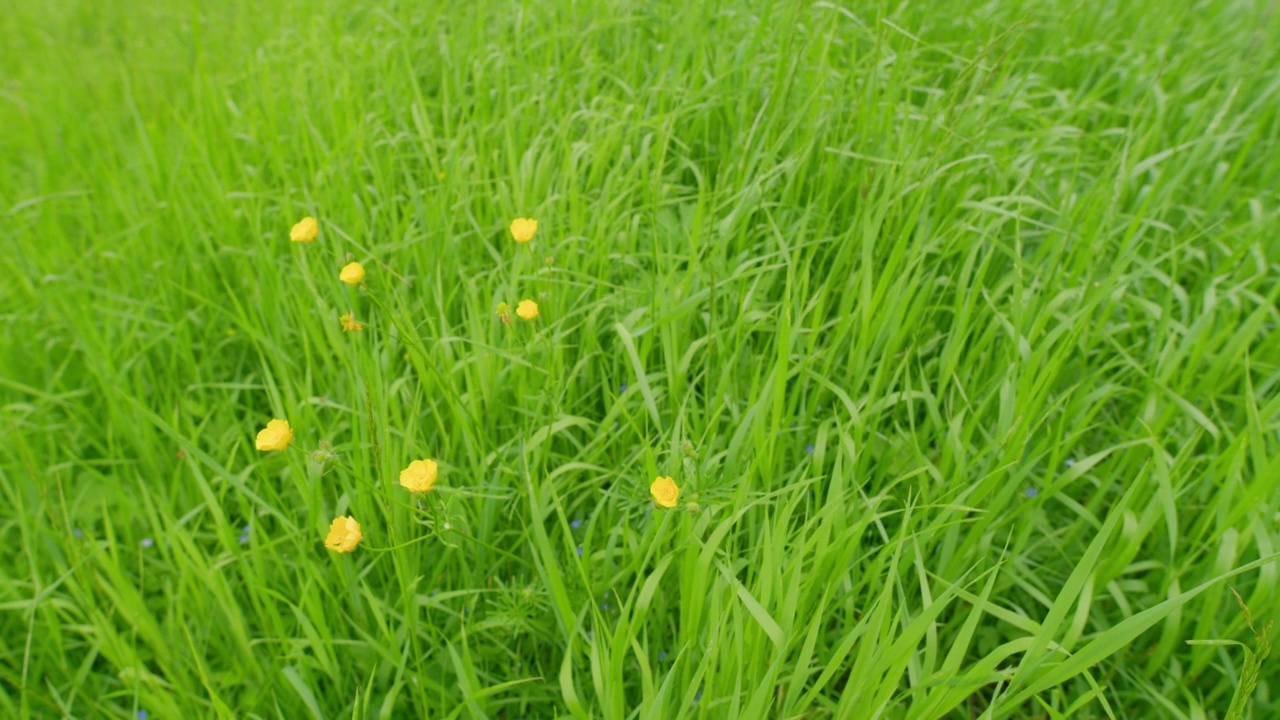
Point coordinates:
[[954, 321]]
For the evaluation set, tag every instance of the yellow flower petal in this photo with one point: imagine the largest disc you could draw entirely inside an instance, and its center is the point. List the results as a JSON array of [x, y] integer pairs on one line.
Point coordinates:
[[527, 310], [352, 273], [664, 491], [349, 322], [275, 436], [420, 476], [523, 229], [305, 231], [344, 535]]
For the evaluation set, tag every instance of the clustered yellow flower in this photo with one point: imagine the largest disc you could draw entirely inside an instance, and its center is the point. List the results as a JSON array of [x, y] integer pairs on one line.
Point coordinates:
[[420, 476], [349, 322], [665, 492], [275, 436], [352, 273], [305, 231], [344, 535], [523, 229]]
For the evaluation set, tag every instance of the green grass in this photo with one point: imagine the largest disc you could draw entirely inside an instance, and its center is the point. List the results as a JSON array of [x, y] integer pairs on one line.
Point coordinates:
[[858, 275]]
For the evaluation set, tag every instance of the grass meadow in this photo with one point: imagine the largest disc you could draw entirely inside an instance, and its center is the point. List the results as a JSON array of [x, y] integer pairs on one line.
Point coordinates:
[[954, 322]]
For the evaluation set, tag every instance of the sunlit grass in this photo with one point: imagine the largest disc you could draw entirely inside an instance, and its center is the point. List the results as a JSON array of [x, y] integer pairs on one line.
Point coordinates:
[[953, 326]]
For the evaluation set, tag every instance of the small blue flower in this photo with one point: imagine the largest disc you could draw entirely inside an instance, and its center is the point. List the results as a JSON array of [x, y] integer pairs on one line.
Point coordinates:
[[604, 606], [696, 698], [1071, 462], [244, 539], [142, 715], [78, 533], [793, 423], [579, 551], [662, 655], [147, 542], [808, 449], [466, 609], [245, 530], [1032, 492], [575, 524], [624, 387]]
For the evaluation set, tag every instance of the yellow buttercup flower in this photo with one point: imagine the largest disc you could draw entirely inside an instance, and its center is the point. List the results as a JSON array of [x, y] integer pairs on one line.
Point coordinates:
[[275, 436], [664, 491], [305, 231], [527, 310], [349, 323], [523, 229], [352, 273], [344, 535], [419, 476]]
